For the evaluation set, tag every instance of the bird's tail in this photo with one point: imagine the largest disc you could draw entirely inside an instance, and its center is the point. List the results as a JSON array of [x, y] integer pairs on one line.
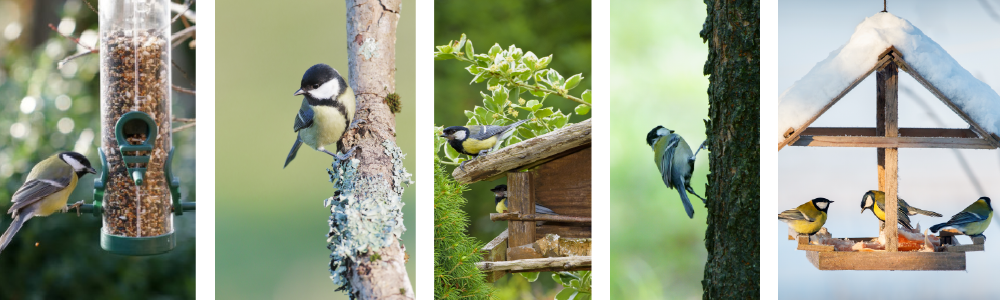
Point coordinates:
[[295, 150], [514, 126], [9, 234], [937, 227], [924, 212], [687, 203]]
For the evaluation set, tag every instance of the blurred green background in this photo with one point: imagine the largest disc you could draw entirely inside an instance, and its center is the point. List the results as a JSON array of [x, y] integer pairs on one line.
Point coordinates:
[[656, 66], [43, 111], [561, 28], [271, 225]]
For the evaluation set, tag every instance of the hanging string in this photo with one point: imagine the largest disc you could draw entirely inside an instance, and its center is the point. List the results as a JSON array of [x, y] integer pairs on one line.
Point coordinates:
[[883, 6]]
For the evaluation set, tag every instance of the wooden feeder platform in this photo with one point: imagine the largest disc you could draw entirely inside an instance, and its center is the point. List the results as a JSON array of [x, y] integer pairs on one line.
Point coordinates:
[[887, 138], [950, 257], [552, 170]]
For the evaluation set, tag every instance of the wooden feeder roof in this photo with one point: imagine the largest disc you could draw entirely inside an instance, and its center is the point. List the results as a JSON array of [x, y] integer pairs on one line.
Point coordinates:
[[526, 154], [830, 80]]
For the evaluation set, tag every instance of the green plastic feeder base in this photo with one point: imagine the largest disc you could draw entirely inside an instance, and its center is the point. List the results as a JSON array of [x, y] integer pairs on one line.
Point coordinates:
[[138, 246]]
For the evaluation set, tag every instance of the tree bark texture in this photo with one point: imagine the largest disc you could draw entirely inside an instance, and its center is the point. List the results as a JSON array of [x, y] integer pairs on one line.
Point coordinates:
[[732, 31], [371, 36]]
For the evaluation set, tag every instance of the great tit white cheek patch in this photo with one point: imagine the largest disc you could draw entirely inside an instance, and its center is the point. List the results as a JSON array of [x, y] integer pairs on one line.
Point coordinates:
[[326, 91], [459, 135]]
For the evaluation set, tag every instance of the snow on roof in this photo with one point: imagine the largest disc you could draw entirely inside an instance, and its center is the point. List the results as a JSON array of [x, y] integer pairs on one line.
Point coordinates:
[[809, 95]]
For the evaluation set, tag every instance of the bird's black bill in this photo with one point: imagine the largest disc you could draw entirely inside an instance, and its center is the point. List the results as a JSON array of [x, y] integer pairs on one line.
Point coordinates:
[[91, 171], [299, 92]]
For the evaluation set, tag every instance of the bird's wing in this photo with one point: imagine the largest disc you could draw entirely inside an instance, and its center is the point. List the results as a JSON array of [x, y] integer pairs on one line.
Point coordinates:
[[544, 210], [667, 160], [794, 214], [965, 218], [902, 211], [483, 132], [305, 116], [36, 189]]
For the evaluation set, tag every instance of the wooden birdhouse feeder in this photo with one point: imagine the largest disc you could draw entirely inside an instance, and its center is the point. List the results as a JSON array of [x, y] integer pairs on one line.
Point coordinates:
[[887, 137], [552, 170]]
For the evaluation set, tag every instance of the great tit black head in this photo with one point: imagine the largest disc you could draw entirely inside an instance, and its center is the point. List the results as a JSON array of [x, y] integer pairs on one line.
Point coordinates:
[[821, 204], [321, 82], [459, 133], [500, 191], [867, 201], [81, 165], [987, 199], [655, 133]]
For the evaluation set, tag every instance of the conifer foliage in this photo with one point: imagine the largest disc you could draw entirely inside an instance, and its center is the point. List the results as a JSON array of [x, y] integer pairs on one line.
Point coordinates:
[[455, 253]]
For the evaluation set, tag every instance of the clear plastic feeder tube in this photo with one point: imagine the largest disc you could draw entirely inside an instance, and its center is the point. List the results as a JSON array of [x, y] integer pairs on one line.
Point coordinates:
[[135, 116]]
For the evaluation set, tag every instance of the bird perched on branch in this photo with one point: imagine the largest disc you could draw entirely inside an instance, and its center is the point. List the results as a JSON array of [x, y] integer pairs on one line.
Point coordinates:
[[478, 140], [675, 161], [327, 111], [875, 201], [808, 218], [46, 190], [972, 220], [500, 193]]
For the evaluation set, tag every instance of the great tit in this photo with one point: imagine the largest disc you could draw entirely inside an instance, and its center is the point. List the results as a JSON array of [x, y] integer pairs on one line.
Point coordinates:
[[327, 111], [478, 140], [875, 201], [808, 218], [675, 161], [972, 221], [46, 190], [500, 193]]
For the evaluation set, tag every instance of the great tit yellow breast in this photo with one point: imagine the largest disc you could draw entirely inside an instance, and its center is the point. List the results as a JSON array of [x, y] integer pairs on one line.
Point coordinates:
[[879, 213], [502, 206], [56, 201], [804, 226], [328, 126], [473, 146]]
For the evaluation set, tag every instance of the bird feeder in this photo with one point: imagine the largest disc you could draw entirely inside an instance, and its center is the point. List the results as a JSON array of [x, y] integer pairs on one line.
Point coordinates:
[[887, 138], [136, 194], [552, 170]]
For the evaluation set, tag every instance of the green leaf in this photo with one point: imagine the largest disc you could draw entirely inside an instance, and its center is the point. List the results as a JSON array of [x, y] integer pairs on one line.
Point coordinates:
[[582, 109], [513, 140], [479, 78], [525, 133], [558, 120], [540, 75], [469, 114], [586, 96], [537, 93], [500, 96], [532, 105], [445, 48], [461, 42], [554, 78], [531, 276], [443, 56], [566, 294], [474, 69], [544, 62], [530, 60], [493, 81], [469, 51], [450, 153], [484, 115], [573, 81], [495, 50], [543, 112]]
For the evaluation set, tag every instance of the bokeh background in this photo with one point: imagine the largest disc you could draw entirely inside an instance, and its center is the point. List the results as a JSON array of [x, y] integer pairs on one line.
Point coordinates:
[[271, 225], [561, 28], [657, 59], [45, 110], [931, 179]]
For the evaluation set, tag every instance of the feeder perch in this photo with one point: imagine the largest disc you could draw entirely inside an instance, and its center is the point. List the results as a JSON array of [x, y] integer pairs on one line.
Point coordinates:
[[136, 194], [552, 170], [887, 137]]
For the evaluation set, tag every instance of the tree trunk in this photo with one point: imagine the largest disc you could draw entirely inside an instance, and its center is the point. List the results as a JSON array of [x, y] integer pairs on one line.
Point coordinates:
[[378, 177], [732, 31]]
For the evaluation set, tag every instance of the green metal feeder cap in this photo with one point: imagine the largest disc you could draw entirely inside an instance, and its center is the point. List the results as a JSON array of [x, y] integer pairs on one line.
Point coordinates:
[[138, 246], [135, 124]]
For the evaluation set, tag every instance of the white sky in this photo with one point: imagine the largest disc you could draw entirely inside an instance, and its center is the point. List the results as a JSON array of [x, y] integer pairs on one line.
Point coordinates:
[[929, 178]]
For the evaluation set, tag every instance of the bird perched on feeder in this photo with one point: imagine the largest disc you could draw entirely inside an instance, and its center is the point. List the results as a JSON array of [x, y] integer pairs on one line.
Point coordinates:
[[478, 140], [675, 161], [500, 193], [327, 111], [971, 221], [875, 201], [46, 190], [808, 218]]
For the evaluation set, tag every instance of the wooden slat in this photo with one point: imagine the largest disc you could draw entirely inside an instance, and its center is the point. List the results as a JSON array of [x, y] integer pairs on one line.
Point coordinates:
[[903, 132], [569, 230], [881, 260], [537, 217], [937, 93], [887, 81], [495, 250], [525, 153], [520, 199], [570, 263], [523, 252], [892, 142], [798, 131], [820, 248]]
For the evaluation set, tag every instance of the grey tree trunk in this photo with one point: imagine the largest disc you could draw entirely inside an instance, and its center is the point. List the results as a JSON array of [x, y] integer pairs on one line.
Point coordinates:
[[375, 182], [732, 31]]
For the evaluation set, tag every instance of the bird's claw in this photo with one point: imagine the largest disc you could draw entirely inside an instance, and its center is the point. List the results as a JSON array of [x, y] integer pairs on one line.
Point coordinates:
[[354, 124], [76, 206], [462, 165]]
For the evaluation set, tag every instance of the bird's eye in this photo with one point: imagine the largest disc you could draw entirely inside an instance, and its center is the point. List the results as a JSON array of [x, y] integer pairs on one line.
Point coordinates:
[[315, 86]]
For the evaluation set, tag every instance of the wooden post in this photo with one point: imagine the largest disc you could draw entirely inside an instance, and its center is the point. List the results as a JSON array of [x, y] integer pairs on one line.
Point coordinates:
[[520, 199], [887, 120]]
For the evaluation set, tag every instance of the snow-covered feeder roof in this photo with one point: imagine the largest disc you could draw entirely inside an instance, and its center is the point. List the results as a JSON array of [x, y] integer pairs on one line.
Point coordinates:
[[809, 95]]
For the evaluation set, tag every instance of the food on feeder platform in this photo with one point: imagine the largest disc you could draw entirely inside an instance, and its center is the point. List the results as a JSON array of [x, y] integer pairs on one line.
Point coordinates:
[[135, 76]]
